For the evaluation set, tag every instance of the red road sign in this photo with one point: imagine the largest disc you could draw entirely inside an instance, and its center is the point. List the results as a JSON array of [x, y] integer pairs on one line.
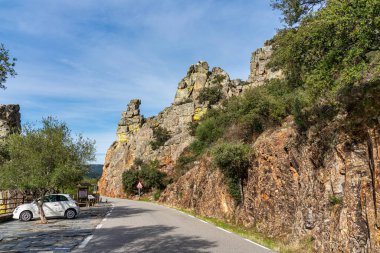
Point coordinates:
[[139, 185]]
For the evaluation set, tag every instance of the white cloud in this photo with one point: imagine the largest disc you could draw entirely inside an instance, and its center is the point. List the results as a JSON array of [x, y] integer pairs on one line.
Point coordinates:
[[82, 61]]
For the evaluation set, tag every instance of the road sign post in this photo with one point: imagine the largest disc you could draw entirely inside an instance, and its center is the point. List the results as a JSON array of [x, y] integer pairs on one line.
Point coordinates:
[[139, 186]]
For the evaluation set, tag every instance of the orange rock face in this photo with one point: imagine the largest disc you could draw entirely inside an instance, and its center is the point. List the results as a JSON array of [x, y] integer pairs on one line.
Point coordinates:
[[296, 189]]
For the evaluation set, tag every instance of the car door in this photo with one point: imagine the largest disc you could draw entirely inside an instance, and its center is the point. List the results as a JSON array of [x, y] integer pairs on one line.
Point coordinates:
[[49, 205], [62, 205]]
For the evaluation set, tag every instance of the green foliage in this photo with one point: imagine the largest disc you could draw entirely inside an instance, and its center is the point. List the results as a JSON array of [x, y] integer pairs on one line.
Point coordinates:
[[4, 153], [160, 135], [193, 127], [45, 159], [6, 66], [147, 173], [335, 200], [130, 180], [233, 160], [255, 110], [218, 79], [329, 49], [157, 194], [294, 10], [213, 95]]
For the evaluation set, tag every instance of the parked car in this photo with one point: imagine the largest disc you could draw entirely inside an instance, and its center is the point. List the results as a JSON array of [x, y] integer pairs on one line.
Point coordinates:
[[55, 205]]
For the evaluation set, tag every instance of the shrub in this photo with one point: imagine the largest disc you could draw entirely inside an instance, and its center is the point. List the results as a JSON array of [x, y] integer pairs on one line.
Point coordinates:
[[335, 200], [192, 127], [218, 79], [233, 160], [213, 95], [148, 173], [160, 135], [253, 112], [157, 194]]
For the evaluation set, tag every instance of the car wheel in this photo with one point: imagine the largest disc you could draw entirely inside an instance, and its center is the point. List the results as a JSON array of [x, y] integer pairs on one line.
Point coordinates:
[[70, 214], [26, 216]]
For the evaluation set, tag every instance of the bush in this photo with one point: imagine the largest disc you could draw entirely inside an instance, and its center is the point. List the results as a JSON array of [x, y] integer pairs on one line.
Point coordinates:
[[160, 135], [149, 175], [253, 112], [213, 95], [192, 127], [219, 79], [233, 160], [335, 200], [157, 195], [331, 50]]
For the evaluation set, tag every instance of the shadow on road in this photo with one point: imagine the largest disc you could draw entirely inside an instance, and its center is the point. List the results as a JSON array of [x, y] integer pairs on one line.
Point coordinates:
[[124, 212], [157, 238]]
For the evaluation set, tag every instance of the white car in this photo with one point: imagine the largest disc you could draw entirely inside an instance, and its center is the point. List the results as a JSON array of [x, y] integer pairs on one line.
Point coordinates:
[[55, 205]]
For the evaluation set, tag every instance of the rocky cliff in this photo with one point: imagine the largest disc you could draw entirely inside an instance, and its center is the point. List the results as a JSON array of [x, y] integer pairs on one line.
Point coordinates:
[[320, 187], [10, 120], [135, 133], [297, 190]]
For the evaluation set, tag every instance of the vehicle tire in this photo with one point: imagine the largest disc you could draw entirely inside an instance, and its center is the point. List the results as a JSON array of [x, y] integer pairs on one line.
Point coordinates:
[[70, 214], [26, 216]]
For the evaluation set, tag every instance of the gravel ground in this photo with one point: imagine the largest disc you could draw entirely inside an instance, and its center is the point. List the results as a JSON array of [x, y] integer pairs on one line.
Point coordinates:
[[59, 235]]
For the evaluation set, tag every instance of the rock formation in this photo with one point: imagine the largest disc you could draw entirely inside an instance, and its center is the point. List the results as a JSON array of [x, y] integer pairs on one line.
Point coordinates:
[[297, 189], [10, 120], [135, 133], [259, 72]]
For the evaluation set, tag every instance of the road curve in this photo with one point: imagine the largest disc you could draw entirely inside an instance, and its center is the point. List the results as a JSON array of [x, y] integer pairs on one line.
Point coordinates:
[[134, 226]]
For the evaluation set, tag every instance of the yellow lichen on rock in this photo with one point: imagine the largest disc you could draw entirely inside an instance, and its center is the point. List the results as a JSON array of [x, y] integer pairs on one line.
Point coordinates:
[[122, 137], [199, 113], [134, 128]]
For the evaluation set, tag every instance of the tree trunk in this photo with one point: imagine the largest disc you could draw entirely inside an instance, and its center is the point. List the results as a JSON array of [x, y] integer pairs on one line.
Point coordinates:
[[41, 211]]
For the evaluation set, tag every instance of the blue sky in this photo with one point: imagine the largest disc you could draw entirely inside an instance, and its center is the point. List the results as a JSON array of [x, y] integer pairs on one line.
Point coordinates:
[[82, 61]]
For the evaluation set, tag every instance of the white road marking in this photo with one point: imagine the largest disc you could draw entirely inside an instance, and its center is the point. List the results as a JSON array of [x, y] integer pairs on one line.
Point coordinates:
[[105, 219], [108, 214], [191, 216], [85, 242], [203, 221], [224, 230], [99, 226], [256, 244], [61, 248]]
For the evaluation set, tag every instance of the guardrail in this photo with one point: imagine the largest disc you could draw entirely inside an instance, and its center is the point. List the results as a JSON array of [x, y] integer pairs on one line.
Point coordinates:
[[7, 205]]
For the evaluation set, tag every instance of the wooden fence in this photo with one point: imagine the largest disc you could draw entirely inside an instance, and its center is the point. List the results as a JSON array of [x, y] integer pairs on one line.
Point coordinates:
[[8, 202]]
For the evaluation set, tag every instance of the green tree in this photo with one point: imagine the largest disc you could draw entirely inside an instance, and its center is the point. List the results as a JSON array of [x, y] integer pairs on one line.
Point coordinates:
[[333, 49], [45, 159], [294, 10], [213, 95], [160, 135], [146, 172], [6, 66], [233, 160]]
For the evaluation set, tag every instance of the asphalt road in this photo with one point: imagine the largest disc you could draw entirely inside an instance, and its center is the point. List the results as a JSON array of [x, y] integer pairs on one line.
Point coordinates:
[[133, 226]]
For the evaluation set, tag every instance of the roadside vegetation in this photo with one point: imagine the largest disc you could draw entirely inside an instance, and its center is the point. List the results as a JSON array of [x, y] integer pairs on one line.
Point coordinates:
[[150, 176], [329, 54], [44, 159]]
